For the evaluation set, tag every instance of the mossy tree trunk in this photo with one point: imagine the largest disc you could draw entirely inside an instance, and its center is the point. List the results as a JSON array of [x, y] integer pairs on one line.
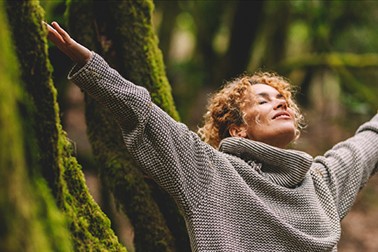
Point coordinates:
[[29, 218], [121, 31], [52, 155]]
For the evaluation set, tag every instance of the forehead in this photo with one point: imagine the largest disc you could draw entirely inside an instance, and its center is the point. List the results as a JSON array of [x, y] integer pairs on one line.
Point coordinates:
[[259, 89]]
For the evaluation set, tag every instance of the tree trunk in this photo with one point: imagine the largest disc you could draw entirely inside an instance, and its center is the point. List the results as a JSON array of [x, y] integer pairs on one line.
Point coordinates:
[[121, 31], [29, 218], [169, 11], [89, 226], [247, 19], [278, 23]]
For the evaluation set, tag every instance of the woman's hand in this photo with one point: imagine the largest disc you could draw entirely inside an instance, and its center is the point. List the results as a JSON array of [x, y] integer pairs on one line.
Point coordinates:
[[67, 45]]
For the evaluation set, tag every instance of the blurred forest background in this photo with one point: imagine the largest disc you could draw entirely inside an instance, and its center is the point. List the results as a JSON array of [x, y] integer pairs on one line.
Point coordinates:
[[327, 49]]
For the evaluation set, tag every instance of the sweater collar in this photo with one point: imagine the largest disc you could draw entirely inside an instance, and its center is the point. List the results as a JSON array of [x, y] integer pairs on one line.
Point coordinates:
[[284, 167]]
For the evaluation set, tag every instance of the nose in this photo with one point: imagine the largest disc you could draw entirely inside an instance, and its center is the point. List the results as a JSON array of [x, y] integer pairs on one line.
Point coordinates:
[[280, 103]]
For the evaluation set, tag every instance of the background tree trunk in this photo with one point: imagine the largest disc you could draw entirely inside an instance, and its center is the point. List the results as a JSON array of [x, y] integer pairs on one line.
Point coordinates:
[[244, 30], [121, 31]]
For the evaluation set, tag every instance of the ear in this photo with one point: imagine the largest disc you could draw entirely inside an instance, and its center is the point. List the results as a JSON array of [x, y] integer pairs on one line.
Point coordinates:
[[238, 131]]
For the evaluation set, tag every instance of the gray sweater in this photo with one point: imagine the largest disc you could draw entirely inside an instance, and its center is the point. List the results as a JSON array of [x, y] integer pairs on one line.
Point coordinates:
[[246, 196]]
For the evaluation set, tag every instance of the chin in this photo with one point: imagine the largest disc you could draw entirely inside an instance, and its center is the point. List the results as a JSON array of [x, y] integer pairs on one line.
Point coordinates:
[[284, 138]]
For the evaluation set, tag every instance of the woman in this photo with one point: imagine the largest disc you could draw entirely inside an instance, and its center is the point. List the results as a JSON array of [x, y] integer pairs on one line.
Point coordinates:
[[249, 194]]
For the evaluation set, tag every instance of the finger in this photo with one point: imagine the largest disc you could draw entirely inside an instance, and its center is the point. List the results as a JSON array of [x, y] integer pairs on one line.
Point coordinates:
[[53, 35], [66, 37], [51, 30]]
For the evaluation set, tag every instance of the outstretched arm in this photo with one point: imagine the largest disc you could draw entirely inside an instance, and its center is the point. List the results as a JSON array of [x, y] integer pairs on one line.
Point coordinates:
[[165, 149], [350, 163], [75, 51]]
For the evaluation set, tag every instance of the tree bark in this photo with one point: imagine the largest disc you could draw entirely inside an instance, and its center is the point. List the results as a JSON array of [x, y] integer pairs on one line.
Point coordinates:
[[29, 218], [246, 21], [121, 31], [89, 226]]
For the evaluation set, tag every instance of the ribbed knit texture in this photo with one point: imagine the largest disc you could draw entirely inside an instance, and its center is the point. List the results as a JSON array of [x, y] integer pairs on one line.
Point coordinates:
[[246, 196]]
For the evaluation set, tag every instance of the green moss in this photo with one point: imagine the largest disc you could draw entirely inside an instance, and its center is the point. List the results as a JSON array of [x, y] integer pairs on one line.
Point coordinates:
[[140, 60], [29, 217], [89, 226], [54, 222], [134, 53], [31, 48], [122, 177], [139, 57]]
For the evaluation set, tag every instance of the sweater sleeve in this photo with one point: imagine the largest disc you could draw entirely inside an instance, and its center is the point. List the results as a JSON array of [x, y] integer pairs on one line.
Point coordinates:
[[166, 150], [349, 164]]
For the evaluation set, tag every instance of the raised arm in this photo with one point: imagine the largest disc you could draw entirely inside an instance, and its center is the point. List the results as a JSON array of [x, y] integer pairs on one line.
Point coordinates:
[[349, 164], [166, 150], [75, 51]]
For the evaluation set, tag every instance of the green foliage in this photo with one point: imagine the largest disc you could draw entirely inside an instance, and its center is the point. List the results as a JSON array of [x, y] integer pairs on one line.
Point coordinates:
[[316, 35]]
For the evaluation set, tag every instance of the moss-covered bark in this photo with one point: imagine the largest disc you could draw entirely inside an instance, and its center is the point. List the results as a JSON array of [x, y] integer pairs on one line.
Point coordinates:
[[30, 220], [89, 226], [138, 55], [122, 177], [122, 32]]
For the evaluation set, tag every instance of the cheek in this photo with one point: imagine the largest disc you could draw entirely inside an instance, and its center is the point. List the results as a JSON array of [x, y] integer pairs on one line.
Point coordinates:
[[261, 117], [252, 118], [293, 115], [291, 111]]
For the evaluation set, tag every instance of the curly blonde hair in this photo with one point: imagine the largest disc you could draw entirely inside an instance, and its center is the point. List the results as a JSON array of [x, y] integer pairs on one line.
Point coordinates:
[[225, 107]]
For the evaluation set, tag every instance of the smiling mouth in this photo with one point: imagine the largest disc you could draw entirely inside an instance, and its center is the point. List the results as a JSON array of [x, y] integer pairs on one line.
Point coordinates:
[[283, 115]]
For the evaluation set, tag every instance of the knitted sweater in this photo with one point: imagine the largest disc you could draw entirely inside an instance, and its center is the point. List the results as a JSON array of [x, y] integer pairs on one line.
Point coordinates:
[[246, 196]]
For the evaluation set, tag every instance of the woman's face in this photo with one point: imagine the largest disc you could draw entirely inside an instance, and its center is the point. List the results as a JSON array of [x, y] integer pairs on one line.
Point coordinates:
[[267, 118]]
